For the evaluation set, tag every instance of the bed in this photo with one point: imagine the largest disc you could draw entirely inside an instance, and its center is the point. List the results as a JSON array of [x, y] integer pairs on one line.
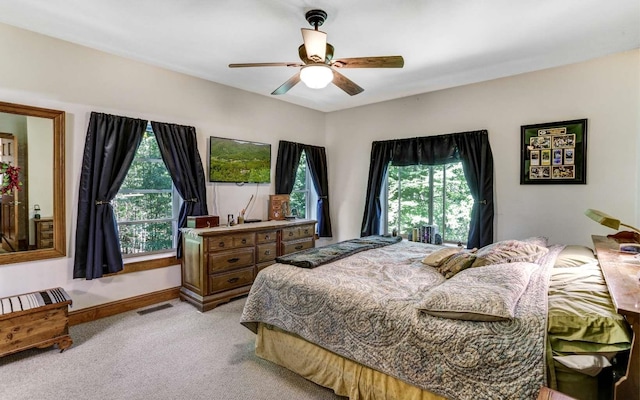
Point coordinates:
[[382, 324]]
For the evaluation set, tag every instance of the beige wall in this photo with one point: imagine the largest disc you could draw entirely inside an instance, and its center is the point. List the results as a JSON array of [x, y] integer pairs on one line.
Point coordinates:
[[45, 72], [606, 91], [50, 73]]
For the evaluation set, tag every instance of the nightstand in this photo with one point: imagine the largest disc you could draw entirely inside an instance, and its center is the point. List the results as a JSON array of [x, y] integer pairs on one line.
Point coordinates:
[[43, 233]]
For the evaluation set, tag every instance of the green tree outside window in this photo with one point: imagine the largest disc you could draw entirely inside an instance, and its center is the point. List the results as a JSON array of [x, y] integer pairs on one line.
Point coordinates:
[[420, 195], [145, 207]]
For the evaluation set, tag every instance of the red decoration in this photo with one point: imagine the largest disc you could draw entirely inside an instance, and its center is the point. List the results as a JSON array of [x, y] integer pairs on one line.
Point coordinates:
[[10, 178]]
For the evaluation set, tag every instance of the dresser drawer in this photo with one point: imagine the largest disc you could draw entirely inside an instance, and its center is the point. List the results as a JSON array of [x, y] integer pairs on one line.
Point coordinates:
[[231, 241], [292, 247], [45, 243], [307, 231], [261, 266], [46, 226], [227, 260], [266, 237], [230, 280], [297, 232], [46, 235], [266, 252]]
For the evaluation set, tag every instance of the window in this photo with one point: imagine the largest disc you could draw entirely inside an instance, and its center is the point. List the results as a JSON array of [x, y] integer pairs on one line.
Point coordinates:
[[418, 195], [147, 205], [303, 196]]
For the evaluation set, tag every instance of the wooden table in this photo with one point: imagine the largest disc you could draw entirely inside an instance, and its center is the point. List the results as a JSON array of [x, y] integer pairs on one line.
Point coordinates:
[[621, 272]]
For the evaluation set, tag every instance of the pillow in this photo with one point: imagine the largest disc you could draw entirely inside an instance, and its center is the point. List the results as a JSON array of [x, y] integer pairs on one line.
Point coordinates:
[[479, 294], [574, 256], [438, 257], [587, 364], [508, 251], [541, 241], [456, 263]]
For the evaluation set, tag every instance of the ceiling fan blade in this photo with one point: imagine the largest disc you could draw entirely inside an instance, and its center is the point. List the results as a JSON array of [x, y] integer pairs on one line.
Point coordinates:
[[275, 64], [346, 84], [284, 88], [315, 44], [369, 62]]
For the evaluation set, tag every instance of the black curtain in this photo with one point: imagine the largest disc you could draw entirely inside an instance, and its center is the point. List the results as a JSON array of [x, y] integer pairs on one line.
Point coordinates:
[[471, 148], [317, 162], [179, 149], [286, 166], [110, 146], [477, 163], [381, 155]]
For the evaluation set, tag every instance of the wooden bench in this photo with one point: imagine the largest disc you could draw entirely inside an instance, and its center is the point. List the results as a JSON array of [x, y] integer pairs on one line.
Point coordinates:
[[38, 319]]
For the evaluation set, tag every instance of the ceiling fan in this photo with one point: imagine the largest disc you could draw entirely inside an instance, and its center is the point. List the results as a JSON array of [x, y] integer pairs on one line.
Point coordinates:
[[318, 68]]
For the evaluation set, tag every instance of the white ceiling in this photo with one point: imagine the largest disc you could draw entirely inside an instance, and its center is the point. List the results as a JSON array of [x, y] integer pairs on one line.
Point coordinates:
[[445, 43]]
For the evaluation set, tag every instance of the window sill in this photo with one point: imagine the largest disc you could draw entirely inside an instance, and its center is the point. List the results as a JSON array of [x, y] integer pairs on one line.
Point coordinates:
[[146, 263]]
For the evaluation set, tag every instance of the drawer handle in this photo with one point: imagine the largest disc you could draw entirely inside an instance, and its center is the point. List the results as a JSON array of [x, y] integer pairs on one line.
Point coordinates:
[[233, 280], [299, 247], [244, 241], [290, 233], [232, 260], [306, 231], [221, 244], [267, 237], [268, 252]]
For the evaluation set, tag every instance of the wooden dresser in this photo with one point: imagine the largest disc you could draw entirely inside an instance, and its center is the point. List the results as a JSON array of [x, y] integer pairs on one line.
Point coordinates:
[[221, 263], [43, 233], [622, 275]]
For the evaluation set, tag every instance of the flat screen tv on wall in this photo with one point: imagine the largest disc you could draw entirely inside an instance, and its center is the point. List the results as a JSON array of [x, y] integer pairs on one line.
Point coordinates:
[[239, 161]]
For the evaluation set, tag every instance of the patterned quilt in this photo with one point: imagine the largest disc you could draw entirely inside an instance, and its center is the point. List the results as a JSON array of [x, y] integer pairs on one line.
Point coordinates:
[[364, 307]]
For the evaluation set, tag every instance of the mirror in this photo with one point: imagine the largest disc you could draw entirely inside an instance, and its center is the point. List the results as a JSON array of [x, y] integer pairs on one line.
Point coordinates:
[[32, 218]]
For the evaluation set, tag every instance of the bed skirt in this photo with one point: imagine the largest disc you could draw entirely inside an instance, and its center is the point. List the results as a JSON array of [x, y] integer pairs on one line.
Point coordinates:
[[345, 377]]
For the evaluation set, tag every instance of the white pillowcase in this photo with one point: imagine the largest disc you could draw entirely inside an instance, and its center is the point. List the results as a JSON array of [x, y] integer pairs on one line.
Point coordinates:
[[586, 363]]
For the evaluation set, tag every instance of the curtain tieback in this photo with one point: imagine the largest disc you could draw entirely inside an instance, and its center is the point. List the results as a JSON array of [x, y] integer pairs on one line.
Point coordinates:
[[323, 197], [482, 202], [193, 200], [102, 202]]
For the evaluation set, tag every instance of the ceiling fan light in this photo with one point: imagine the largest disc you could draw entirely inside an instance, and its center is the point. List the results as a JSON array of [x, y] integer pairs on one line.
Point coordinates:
[[316, 76]]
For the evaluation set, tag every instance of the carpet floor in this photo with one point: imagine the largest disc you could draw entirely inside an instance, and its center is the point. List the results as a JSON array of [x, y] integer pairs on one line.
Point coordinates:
[[172, 353]]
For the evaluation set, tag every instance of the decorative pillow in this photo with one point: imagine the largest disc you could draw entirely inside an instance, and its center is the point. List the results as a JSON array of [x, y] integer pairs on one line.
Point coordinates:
[[508, 251], [479, 294], [574, 256], [456, 263], [438, 257]]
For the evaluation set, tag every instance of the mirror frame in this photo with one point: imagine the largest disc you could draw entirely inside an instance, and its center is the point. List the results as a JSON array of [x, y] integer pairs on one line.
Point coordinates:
[[59, 206]]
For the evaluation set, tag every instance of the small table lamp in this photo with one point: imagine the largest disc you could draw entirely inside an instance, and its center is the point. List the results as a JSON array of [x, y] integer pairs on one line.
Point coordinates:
[[613, 223], [36, 211]]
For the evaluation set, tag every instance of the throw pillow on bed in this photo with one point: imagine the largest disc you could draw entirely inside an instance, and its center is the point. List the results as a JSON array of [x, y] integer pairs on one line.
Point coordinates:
[[456, 263], [509, 251], [438, 257], [490, 293]]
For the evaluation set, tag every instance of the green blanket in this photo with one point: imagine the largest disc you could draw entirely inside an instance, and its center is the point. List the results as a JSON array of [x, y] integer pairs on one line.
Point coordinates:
[[317, 256]]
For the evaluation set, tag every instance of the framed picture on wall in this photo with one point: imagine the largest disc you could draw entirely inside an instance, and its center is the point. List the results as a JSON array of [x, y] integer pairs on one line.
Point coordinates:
[[554, 153]]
